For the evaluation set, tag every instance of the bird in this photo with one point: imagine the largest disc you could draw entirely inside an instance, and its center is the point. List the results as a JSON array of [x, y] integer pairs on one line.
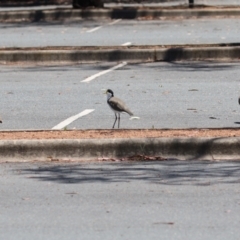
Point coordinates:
[[239, 100], [0, 120], [118, 106]]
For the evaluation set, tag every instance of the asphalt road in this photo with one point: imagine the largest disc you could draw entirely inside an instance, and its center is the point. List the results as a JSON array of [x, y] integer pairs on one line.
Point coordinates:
[[155, 200], [119, 32], [163, 95]]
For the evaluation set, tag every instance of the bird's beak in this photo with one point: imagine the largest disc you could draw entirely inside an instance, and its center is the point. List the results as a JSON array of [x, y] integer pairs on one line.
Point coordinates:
[[104, 91]]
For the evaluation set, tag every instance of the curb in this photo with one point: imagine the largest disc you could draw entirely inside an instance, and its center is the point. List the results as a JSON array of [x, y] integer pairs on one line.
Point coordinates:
[[85, 149], [114, 13], [134, 54]]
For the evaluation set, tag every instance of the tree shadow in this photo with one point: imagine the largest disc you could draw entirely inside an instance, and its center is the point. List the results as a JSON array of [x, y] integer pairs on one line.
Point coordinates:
[[203, 65], [135, 12], [82, 13], [181, 53], [174, 172], [31, 3], [59, 15], [68, 67]]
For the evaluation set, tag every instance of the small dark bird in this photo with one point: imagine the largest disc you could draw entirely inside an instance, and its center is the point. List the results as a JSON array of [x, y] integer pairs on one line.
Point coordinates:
[[0, 120], [239, 100], [118, 106]]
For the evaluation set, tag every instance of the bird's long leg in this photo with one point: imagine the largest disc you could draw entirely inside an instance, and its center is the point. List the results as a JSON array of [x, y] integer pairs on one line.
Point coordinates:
[[118, 120], [115, 120]]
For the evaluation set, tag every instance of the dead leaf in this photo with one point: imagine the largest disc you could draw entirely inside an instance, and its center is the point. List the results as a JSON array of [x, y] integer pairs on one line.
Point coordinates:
[[71, 193], [167, 223], [193, 90]]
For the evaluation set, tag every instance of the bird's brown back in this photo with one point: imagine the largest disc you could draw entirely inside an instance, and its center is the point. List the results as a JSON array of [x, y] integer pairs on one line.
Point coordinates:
[[118, 105]]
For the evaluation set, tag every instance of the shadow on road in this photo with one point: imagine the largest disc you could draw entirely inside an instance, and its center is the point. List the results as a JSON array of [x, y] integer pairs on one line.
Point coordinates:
[[191, 66], [24, 3], [65, 68], [199, 173], [205, 66]]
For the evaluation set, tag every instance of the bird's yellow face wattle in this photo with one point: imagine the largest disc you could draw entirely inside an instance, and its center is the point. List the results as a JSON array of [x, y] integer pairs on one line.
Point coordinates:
[[104, 91]]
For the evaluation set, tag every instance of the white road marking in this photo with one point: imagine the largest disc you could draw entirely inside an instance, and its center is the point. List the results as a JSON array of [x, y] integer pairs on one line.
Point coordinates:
[[104, 72], [97, 28], [114, 22], [94, 29], [69, 120], [127, 44]]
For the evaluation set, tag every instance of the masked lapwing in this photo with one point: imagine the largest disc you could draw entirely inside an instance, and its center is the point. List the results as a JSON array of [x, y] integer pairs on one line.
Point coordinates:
[[118, 107]]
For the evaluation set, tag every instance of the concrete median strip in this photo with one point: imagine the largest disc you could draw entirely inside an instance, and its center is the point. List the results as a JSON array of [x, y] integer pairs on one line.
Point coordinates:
[[115, 13], [119, 53], [91, 149]]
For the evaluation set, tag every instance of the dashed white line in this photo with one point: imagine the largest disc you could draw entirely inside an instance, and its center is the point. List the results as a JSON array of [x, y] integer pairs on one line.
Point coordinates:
[[69, 120], [94, 29], [114, 22], [104, 72], [99, 27], [127, 44]]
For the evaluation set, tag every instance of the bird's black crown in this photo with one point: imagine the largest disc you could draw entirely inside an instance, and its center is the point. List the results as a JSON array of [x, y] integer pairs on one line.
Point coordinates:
[[110, 91]]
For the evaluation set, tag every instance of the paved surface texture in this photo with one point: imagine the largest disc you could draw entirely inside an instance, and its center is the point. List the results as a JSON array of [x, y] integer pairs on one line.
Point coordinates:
[[174, 200], [119, 32], [163, 95]]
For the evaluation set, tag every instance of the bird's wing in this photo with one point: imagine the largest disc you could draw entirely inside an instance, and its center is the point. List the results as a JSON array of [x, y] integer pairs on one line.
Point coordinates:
[[118, 105]]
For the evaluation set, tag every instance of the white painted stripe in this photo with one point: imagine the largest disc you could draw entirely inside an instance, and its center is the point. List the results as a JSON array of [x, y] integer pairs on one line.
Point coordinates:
[[66, 122], [127, 44], [104, 72], [114, 22], [94, 29]]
